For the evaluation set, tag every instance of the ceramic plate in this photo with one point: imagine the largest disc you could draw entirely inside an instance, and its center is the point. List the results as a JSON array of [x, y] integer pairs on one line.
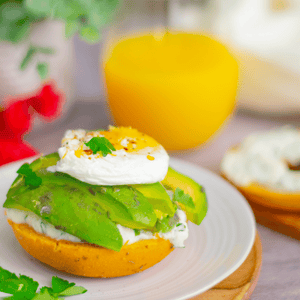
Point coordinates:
[[213, 251]]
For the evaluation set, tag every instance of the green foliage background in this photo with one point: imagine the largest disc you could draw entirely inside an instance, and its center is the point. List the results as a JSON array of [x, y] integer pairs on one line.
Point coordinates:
[[86, 17]]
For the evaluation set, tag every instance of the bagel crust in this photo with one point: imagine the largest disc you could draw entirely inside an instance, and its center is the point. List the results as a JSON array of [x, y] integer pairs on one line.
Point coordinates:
[[264, 196], [90, 260]]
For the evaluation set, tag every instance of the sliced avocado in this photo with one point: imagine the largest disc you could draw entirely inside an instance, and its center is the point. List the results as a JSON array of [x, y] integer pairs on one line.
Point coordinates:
[[158, 197], [140, 210], [123, 204], [73, 210], [175, 180]]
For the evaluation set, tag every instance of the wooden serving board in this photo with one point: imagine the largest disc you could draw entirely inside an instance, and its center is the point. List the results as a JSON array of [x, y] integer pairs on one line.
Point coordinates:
[[240, 284], [281, 221]]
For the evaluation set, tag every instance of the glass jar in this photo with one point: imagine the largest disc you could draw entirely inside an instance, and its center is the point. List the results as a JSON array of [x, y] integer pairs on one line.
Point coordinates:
[[165, 75]]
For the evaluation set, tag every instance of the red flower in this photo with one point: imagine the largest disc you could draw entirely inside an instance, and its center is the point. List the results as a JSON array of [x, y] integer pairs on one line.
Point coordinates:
[[48, 103], [15, 120], [14, 149]]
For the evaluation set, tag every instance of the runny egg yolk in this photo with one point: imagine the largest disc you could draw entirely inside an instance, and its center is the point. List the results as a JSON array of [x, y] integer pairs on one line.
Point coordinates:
[[129, 139], [122, 138]]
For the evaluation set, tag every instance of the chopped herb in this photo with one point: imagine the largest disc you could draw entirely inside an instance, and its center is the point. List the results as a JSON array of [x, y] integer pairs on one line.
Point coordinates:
[[185, 199], [25, 288], [178, 224], [31, 179], [137, 232], [100, 144]]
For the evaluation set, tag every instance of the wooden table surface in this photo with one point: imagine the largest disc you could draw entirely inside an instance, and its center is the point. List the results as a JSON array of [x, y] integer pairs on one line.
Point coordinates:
[[280, 273]]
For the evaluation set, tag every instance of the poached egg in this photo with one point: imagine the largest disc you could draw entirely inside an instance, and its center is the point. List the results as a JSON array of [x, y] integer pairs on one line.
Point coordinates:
[[137, 158]]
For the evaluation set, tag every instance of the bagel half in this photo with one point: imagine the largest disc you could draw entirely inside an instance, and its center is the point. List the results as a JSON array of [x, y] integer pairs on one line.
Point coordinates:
[[90, 260], [275, 199]]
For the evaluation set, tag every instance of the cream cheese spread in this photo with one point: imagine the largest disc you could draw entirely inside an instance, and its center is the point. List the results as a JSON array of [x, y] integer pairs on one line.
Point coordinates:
[[176, 236], [264, 158], [39, 225]]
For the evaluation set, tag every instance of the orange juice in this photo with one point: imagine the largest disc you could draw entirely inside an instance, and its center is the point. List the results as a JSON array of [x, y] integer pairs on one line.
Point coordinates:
[[177, 87]]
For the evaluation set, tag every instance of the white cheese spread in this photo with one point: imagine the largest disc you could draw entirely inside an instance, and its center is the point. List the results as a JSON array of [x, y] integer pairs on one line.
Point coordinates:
[[263, 158], [176, 236]]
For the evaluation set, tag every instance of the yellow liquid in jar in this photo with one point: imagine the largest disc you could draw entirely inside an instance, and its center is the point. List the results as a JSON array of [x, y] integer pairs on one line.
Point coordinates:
[[177, 87]]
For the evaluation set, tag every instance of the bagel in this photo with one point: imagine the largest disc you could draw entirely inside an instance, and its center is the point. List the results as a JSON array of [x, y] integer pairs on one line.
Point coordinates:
[[279, 187], [90, 260], [267, 197]]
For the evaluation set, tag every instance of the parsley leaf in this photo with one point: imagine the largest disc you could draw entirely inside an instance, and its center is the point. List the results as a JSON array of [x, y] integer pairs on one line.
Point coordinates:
[[24, 288], [185, 199], [74, 290], [21, 287], [59, 285], [137, 232], [31, 178], [45, 294], [101, 144]]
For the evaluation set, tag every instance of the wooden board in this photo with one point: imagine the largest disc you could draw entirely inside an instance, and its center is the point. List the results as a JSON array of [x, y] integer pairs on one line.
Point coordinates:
[[281, 221], [240, 284]]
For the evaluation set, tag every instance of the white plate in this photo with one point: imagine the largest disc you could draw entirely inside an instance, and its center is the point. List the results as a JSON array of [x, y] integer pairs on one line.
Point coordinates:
[[213, 251]]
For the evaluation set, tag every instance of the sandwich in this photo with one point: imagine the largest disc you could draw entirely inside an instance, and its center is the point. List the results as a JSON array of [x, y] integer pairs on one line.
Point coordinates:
[[107, 204]]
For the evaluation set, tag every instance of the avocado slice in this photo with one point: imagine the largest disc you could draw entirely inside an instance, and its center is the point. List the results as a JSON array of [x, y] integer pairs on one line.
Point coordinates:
[[81, 215], [124, 204], [175, 180], [141, 212], [157, 195]]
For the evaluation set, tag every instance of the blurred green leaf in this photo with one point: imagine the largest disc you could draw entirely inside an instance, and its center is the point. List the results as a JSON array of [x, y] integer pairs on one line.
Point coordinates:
[[39, 7], [12, 12], [28, 57], [4, 29], [71, 28], [44, 50], [42, 69], [83, 16], [68, 10], [89, 34], [19, 31]]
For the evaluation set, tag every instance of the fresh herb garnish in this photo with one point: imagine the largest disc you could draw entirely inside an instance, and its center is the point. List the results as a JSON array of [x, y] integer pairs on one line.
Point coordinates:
[[101, 144], [137, 232], [185, 199], [25, 288], [31, 179]]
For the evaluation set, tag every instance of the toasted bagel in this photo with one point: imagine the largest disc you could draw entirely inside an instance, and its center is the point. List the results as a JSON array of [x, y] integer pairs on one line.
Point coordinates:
[[267, 197], [90, 260]]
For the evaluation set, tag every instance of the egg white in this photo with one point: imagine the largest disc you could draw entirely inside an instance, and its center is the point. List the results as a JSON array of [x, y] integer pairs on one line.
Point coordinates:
[[148, 165]]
